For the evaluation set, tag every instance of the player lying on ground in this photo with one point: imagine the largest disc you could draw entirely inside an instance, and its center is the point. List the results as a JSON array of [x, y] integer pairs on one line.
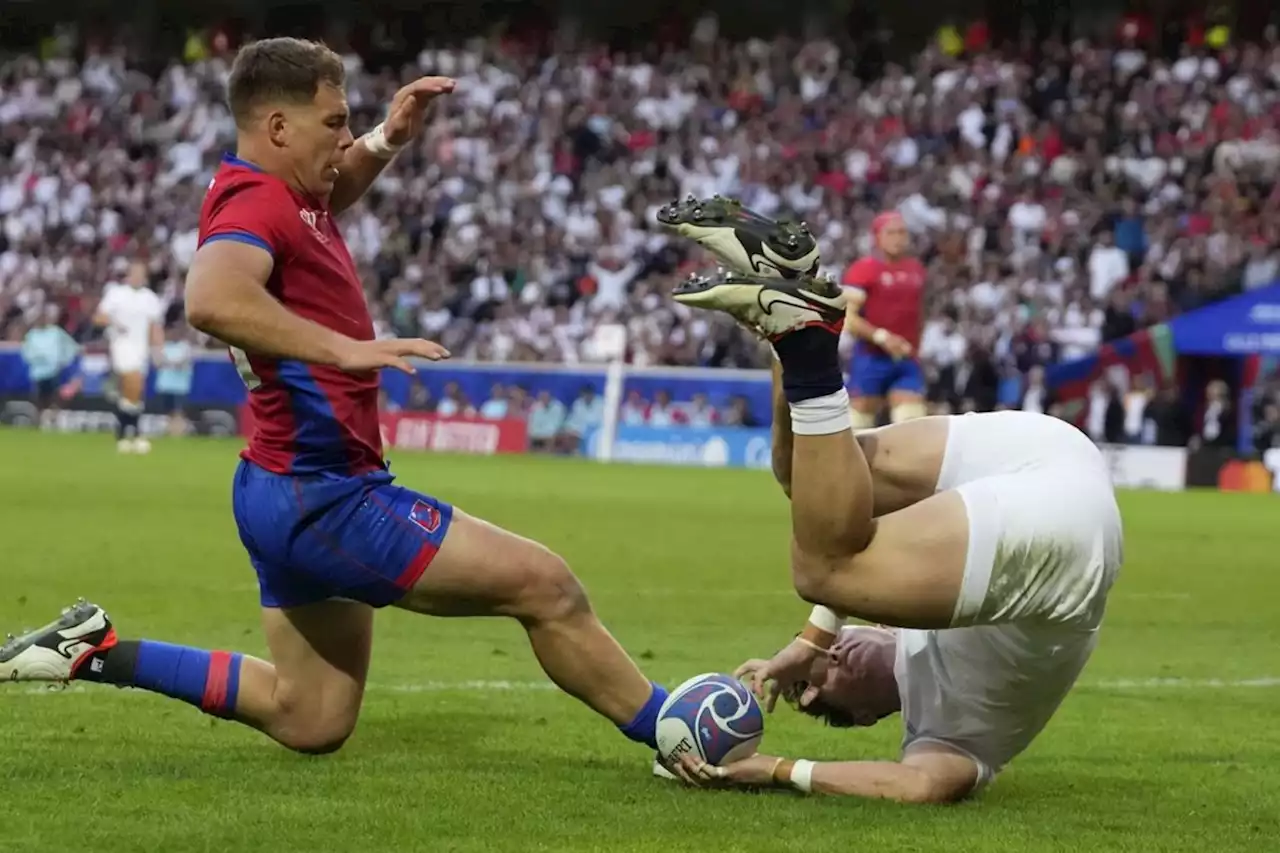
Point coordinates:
[[329, 535], [990, 541]]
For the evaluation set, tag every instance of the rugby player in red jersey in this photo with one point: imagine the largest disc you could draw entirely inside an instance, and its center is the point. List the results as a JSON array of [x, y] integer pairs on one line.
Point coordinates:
[[885, 316], [328, 533]]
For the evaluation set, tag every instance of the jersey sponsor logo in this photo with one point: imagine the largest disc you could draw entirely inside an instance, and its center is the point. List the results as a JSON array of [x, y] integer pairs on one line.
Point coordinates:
[[425, 516]]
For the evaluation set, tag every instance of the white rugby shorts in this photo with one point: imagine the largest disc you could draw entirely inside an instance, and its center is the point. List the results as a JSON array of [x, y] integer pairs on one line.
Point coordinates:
[[1045, 535], [129, 357]]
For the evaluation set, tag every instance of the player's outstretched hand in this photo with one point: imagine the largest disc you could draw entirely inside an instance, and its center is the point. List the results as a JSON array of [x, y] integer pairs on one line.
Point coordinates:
[[796, 672], [366, 356], [756, 771], [409, 107]]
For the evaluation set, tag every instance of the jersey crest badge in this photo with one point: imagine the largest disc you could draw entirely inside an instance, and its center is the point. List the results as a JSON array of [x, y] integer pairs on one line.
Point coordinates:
[[312, 219]]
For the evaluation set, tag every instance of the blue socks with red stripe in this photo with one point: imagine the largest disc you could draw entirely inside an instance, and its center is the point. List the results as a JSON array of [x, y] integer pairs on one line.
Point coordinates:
[[209, 680], [644, 728]]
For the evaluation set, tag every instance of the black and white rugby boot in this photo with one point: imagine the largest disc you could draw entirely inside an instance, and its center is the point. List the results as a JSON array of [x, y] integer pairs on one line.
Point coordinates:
[[771, 307], [742, 239], [54, 653]]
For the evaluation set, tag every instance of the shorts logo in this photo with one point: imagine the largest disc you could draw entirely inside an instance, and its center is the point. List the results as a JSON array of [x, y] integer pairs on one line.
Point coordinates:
[[425, 516]]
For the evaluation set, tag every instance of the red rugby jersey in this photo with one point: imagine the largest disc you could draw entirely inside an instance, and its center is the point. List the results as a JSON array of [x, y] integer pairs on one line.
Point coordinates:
[[308, 418], [893, 295]]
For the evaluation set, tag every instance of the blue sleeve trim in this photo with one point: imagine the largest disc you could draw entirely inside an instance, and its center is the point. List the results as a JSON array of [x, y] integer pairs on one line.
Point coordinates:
[[242, 237]]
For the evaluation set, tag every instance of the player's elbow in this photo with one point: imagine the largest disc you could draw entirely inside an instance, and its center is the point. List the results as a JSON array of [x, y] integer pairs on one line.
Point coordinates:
[[928, 791], [201, 311]]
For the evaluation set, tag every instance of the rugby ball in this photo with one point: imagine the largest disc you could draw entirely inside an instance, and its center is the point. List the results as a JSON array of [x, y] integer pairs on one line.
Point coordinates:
[[712, 716]]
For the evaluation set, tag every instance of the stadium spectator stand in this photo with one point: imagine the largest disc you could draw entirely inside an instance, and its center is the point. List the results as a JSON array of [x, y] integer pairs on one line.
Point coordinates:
[[1060, 199]]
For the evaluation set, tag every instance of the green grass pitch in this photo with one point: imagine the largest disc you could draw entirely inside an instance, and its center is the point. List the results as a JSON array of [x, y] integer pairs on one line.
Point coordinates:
[[1169, 743]]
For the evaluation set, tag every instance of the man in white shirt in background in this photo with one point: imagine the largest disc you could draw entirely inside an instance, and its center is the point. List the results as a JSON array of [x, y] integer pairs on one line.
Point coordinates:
[[134, 320]]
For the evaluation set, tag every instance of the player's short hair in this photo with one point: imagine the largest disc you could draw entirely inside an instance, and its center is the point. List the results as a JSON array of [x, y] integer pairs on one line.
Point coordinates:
[[820, 709], [280, 69]]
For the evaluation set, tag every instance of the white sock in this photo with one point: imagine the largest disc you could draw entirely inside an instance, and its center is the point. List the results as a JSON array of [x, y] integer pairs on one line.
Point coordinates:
[[822, 415]]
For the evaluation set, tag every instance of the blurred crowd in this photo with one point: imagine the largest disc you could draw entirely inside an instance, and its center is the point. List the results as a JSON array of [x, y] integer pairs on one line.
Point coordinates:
[[1059, 199]]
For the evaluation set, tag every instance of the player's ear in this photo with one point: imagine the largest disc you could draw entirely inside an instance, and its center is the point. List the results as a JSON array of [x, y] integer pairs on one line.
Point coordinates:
[[278, 128]]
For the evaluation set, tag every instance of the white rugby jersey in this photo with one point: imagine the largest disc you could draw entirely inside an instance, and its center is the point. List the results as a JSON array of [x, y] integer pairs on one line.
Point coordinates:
[[986, 690], [989, 689], [132, 311]]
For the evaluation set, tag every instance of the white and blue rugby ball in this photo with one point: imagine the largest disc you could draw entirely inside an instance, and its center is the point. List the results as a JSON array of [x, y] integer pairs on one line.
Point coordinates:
[[712, 716]]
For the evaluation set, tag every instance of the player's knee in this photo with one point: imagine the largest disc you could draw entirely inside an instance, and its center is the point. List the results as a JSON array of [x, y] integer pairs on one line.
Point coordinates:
[[301, 727], [318, 741], [316, 735], [551, 591]]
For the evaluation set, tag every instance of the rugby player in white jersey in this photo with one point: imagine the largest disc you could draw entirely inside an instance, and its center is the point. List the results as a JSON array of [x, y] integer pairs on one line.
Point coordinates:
[[989, 542], [134, 319]]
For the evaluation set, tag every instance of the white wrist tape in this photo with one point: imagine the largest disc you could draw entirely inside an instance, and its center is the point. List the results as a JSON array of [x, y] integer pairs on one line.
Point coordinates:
[[826, 619], [802, 776], [375, 142], [879, 336]]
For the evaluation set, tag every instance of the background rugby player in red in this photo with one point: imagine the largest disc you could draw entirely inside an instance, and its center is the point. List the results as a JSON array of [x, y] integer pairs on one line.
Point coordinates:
[[885, 316]]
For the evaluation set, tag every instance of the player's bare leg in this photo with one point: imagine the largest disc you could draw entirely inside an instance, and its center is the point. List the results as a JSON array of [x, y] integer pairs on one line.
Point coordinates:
[[307, 697], [904, 569], [904, 460], [482, 570]]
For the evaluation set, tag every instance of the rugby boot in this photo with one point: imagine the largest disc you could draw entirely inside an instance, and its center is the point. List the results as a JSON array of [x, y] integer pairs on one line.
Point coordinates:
[[54, 652], [772, 307], [742, 239]]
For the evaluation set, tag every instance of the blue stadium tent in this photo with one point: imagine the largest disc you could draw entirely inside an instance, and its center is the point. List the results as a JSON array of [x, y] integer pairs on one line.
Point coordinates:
[[1244, 325], [1235, 338]]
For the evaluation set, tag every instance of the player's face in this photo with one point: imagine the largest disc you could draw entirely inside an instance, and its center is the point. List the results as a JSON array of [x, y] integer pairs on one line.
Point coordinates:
[[894, 240], [318, 139]]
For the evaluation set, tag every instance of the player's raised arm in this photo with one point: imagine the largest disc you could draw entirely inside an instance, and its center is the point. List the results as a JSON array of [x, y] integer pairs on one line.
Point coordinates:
[[371, 153], [226, 297]]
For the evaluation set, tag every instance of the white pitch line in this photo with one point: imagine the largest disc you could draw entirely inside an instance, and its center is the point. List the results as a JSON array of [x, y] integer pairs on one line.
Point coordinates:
[[1183, 683], [478, 686]]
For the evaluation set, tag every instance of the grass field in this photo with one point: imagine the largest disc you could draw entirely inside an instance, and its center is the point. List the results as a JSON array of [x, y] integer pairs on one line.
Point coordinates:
[[1169, 743]]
